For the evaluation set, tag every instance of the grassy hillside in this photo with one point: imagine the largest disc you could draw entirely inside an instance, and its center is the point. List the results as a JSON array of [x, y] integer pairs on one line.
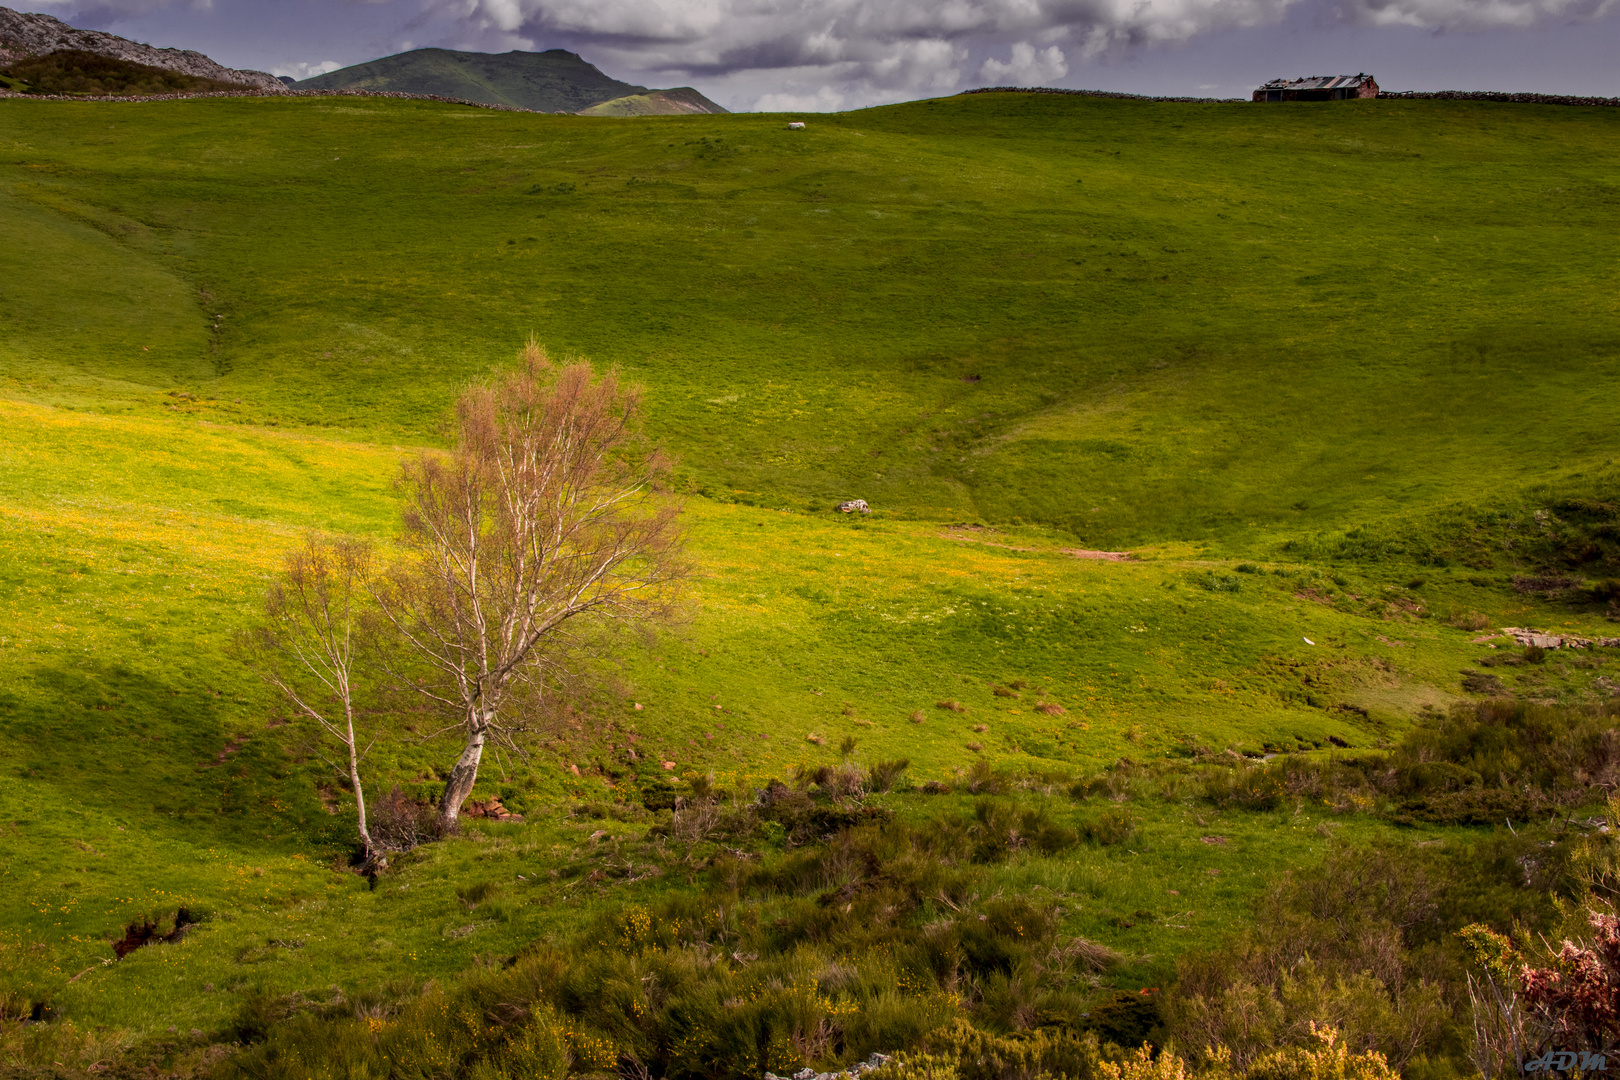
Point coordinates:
[[552, 81], [1186, 322], [679, 101], [1336, 374]]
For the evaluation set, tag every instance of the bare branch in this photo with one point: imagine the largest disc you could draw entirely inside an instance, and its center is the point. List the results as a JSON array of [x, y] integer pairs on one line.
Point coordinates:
[[545, 513]]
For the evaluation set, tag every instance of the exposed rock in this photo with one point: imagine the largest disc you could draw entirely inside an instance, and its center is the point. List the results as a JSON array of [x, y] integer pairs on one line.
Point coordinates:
[[857, 1069], [23, 35], [490, 808], [854, 506], [1542, 640]]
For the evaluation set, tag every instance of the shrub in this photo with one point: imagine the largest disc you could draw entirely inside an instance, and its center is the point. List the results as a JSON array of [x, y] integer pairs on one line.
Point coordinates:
[[1365, 942], [1113, 826], [1248, 568], [1246, 787], [847, 746], [1001, 828], [885, 774], [400, 822], [883, 936], [1478, 682], [979, 1055], [983, 780], [1468, 620]]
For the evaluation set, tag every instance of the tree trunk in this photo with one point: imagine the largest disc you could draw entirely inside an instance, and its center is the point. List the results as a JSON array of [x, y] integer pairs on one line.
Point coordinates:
[[462, 779], [359, 796]]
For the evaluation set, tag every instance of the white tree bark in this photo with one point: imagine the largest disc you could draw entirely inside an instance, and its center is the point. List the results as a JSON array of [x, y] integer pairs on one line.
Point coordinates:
[[545, 513]]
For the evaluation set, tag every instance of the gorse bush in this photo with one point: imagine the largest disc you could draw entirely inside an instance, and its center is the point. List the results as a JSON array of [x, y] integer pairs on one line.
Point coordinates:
[[885, 774], [1368, 943], [883, 936], [1477, 765]]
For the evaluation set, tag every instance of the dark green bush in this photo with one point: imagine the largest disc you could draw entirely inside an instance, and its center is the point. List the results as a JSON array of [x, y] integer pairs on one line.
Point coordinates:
[[1113, 826]]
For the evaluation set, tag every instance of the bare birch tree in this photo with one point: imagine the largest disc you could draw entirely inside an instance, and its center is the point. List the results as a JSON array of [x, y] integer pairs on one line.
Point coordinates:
[[309, 644], [544, 519]]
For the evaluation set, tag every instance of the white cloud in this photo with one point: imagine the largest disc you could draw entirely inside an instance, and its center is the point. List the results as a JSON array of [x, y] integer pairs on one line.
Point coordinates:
[[1026, 66], [1471, 14], [825, 54], [868, 50], [305, 71], [824, 100]]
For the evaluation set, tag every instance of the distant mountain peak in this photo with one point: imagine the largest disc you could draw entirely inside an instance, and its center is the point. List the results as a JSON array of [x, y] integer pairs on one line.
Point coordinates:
[[554, 81], [24, 35]]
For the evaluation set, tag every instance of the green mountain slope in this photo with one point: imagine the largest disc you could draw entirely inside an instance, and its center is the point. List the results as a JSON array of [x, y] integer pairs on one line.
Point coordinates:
[[550, 81], [1134, 321], [1247, 343], [676, 102]]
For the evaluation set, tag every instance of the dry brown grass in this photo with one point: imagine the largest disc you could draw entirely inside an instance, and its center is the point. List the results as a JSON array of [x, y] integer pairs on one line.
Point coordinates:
[[1050, 708], [953, 706], [1003, 691], [981, 728], [916, 716], [819, 740], [976, 747]]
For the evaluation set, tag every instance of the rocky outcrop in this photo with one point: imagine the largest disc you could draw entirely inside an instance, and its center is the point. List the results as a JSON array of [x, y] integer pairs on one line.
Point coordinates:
[[1541, 640], [23, 35], [391, 95], [854, 506], [848, 1073]]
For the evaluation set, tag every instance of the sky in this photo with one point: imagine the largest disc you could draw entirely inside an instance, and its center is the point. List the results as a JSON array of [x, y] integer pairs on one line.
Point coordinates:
[[827, 55]]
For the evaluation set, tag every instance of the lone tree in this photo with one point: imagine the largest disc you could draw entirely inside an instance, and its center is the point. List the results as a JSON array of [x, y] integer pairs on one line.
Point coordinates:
[[309, 646], [545, 518]]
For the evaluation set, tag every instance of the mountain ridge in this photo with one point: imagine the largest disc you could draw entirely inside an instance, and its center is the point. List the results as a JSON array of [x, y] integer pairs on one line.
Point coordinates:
[[24, 35], [553, 81]]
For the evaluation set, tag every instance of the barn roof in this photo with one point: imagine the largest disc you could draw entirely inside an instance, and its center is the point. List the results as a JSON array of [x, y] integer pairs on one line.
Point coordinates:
[[1319, 82]]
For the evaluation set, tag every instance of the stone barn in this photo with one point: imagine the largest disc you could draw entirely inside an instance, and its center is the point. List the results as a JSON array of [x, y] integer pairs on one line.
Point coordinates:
[[1319, 88]]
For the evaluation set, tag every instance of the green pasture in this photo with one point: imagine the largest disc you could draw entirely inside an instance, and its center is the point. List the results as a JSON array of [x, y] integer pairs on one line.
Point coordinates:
[[1186, 322], [1235, 341]]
